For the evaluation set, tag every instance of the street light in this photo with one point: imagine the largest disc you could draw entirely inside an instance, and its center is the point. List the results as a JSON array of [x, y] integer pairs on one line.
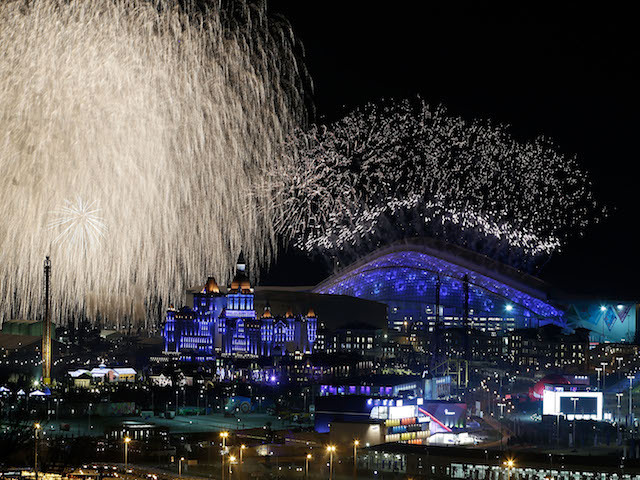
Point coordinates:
[[509, 464], [355, 458], [575, 401], [604, 374], [331, 449], [231, 460], [126, 451], [180, 466], [36, 428], [598, 369], [619, 359], [501, 405], [224, 436], [306, 465], [619, 396], [631, 377], [242, 447]]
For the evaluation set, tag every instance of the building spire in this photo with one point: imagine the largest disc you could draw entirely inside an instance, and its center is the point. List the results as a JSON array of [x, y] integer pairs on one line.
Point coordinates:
[[241, 265]]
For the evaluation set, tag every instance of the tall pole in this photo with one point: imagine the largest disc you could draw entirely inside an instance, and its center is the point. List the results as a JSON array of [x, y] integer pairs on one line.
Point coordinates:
[[467, 332], [618, 422], [231, 460], [618, 395], [224, 436], [331, 465], [306, 466], [331, 449], [126, 451], [355, 458], [36, 429], [501, 405], [631, 399], [46, 325], [575, 401]]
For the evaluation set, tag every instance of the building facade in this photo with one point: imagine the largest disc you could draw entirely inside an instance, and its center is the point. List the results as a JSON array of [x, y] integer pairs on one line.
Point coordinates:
[[228, 325], [427, 284], [548, 348]]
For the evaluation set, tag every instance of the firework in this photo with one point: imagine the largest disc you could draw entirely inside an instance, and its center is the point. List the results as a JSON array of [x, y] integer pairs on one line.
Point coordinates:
[[397, 170], [78, 226], [163, 119]]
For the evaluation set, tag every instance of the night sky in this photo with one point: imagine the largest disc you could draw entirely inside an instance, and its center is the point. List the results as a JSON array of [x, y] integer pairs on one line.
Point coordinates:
[[566, 73]]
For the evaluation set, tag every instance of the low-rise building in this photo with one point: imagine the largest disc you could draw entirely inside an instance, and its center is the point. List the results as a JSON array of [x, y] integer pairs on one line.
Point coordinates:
[[102, 374]]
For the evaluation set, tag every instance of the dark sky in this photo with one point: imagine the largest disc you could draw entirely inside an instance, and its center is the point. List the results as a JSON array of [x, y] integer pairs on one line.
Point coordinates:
[[566, 72]]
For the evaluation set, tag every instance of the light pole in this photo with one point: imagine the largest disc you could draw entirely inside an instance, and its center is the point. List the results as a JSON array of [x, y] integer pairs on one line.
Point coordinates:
[[598, 369], [306, 466], [509, 464], [355, 458], [618, 396], [231, 460], [36, 429], [331, 449], [242, 447], [630, 377], [575, 401], [126, 451], [180, 466], [224, 436], [619, 359], [501, 405], [619, 439], [604, 375]]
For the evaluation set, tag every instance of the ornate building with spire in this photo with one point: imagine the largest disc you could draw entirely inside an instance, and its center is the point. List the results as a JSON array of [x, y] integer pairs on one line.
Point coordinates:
[[227, 324]]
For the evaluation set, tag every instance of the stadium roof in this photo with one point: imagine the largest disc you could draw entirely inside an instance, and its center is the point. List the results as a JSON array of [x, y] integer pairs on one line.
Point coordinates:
[[452, 261]]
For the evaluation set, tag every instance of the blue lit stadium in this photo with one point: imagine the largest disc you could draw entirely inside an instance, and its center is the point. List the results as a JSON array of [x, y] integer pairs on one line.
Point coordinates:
[[428, 281], [425, 281]]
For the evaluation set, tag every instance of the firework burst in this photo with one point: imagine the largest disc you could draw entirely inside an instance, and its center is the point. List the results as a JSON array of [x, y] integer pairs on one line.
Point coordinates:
[[163, 115], [402, 169], [78, 226]]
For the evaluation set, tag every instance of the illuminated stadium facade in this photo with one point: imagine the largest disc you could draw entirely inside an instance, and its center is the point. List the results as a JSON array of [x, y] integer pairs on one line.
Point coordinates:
[[427, 282]]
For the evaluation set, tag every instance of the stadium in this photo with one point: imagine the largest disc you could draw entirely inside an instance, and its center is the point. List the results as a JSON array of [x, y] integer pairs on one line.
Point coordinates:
[[425, 281]]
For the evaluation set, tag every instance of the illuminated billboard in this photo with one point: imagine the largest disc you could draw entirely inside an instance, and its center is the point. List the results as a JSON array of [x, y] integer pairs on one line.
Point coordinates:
[[579, 405]]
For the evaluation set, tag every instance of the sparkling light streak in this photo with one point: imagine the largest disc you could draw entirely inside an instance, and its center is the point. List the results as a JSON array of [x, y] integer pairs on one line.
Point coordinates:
[[166, 118], [404, 169], [78, 225]]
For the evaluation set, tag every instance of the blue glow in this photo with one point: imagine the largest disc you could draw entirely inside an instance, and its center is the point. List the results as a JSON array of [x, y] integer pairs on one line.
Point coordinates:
[[211, 328], [407, 281]]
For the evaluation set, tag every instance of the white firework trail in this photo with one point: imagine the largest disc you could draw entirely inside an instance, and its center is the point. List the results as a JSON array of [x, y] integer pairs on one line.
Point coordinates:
[[402, 169], [78, 226], [166, 117]]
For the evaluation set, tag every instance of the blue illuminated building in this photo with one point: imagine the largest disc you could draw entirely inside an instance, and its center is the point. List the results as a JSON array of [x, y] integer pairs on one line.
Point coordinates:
[[426, 282], [227, 325]]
